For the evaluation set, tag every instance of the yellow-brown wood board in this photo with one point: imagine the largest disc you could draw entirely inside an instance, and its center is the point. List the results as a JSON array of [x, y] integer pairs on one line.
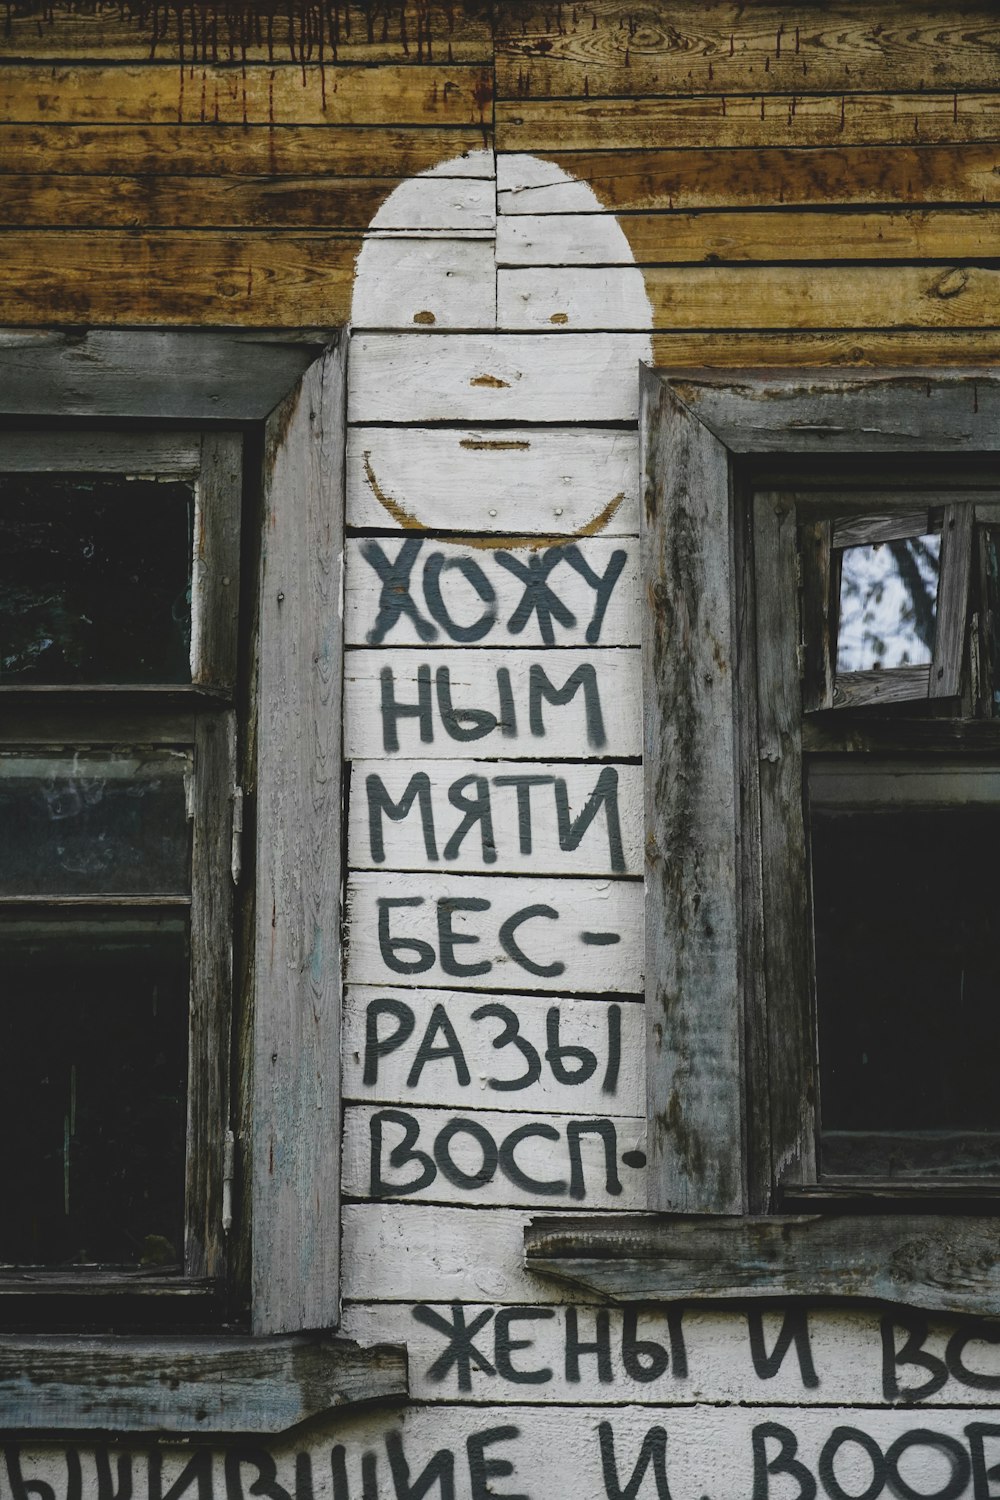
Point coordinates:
[[862, 348], [286, 94], [660, 178], [746, 120], [181, 278], [249, 32], [714, 46], [197, 150]]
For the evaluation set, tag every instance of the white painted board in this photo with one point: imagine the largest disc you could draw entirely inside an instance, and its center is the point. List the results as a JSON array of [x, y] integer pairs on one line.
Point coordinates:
[[495, 932], [438, 282], [552, 239], [588, 298], [421, 591], [429, 1252], [487, 1158], [497, 817], [677, 1355], [420, 704], [504, 377], [541, 1452], [514, 1052], [456, 203], [525, 481]]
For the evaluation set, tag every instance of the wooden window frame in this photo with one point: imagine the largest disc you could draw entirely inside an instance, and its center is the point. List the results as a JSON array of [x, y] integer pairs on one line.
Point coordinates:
[[282, 399], [716, 1037]]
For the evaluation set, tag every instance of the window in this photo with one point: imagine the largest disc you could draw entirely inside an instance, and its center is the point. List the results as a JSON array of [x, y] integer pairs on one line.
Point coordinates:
[[822, 763], [170, 540]]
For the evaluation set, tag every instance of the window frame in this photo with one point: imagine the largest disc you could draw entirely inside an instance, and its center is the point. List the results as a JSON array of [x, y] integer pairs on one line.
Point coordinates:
[[709, 441], [284, 396]]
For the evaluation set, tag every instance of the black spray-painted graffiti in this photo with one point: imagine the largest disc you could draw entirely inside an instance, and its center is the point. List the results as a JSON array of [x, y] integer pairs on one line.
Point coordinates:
[[393, 948], [533, 573], [422, 1167], [570, 1063], [466, 724], [471, 796]]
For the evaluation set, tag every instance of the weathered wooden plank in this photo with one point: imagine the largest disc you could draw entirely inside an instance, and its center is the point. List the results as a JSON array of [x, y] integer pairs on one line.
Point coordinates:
[[192, 374], [295, 1109], [629, 123], [678, 238], [217, 202], [231, 1385], [695, 1068], [574, 481], [483, 592], [229, 278], [405, 282], [496, 932], [426, 1252], [497, 817], [874, 348], [287, 94], [939, 1263], [691, 297], [663, 1355], [352, 33], [890, 411], [492, 1159], [506, 378], [518, 704], [497, 1045], [97, 451], [663, 178], [352, 152], [712, 47]]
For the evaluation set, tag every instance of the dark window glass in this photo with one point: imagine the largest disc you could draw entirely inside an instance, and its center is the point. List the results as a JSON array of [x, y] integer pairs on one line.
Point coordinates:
[[93, 1081], [94, 822], [95, 579], [908, 992]]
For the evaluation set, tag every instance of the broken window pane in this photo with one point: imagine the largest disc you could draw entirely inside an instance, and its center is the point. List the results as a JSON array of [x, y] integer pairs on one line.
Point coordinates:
[[94, 822], [93, 1083], [905, 901], [95, 579], [888, 604]]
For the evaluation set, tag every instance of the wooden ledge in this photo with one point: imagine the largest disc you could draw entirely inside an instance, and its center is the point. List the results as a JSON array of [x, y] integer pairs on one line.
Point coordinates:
[[185, 1385], [937, 1262]]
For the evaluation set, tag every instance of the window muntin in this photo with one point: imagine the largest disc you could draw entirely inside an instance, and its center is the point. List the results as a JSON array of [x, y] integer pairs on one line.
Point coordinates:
[[118, 639]]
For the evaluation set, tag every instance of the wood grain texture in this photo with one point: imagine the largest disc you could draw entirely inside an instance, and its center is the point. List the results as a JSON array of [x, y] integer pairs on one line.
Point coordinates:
[[938, 1263], [603, 1034], [661, 178], [409, 282], [843, 119], [507, 378], [295, 1202], [695, 1077], [176, 277], [213, 1385], [683, 238], [465, 701], [518, 930], [154, 94], [716, 47], [744, 297], [482, 592], [856, 348], [234, 34], [353, 151], [553, 1161], [193, 375], [525, 481]]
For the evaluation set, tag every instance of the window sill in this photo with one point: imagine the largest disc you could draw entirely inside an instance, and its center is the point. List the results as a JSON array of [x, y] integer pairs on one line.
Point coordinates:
[[937, 1262], [187, 1385]]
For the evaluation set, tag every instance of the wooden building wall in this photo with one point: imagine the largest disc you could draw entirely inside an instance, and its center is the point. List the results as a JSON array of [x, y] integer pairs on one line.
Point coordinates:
[[688, 182]]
